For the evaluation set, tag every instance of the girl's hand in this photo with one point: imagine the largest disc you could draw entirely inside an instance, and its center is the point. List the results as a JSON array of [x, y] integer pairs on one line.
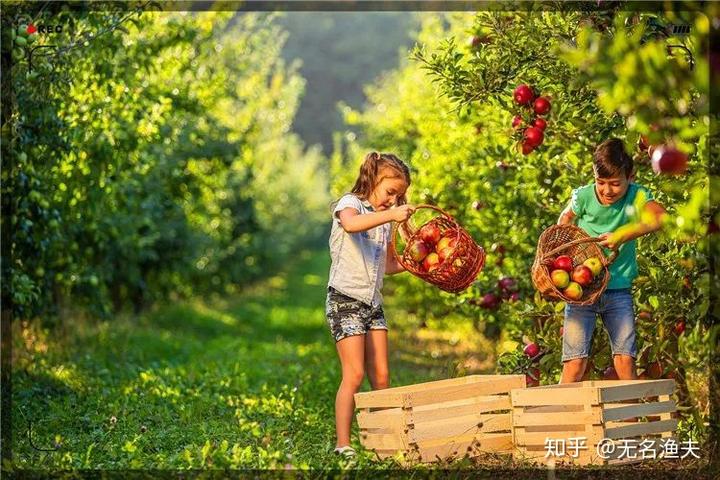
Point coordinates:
[[402, 213]]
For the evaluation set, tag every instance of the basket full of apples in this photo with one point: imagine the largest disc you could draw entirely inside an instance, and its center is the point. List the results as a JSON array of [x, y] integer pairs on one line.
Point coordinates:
[[570, 265], [440, 252]]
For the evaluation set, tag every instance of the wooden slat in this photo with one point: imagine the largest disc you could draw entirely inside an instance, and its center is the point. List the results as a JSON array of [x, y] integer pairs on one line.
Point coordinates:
[[465, 425], [383, 418], [553, 409], [380, 398], [527, 438], [638, 429], [638, 389], [457, 392], [636, 410], [382, 441], [470, 445], [560, 418], [575, 396], [437, 411]]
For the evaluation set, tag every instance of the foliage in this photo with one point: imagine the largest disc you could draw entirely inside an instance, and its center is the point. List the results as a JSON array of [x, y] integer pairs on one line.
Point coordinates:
[[154, 159]]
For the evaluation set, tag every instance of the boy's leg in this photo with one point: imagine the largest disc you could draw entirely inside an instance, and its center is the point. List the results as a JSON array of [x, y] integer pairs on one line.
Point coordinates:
[[351, 351], [376, 359], [619, 319], [577, 339]]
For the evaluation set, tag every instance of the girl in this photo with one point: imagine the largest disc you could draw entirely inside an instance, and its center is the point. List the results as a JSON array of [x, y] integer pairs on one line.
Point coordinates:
[[360, 258]]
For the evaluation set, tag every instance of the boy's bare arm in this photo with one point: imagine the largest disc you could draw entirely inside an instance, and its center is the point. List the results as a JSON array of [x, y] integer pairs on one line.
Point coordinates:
[[650, 221], [567, 216]]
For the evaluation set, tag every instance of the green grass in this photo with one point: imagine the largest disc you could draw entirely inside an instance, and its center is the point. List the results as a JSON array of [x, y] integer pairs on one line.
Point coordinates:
[[241, 382]]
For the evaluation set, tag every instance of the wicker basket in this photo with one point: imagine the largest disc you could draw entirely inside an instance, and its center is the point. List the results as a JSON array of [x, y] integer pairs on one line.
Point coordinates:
[[459, 269], [572, 241]]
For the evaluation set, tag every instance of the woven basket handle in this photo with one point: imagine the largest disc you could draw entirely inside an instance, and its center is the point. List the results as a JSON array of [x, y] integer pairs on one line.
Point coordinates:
[[396, 225], [579, 241]]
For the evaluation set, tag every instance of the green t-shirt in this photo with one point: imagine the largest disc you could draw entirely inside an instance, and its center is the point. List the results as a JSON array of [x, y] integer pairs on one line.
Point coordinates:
[[596, 218]]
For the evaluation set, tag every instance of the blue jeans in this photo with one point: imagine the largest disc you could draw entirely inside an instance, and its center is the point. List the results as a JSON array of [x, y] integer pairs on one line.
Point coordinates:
[[615, 308]]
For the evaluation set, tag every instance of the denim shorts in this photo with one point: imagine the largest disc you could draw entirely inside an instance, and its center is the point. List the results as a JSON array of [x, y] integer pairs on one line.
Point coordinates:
[[347, 316], [615, 308]]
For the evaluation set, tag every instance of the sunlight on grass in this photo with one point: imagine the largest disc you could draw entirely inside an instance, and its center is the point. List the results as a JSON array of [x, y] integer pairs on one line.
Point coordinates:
[[222, 317], [68, 375], [314, 280]]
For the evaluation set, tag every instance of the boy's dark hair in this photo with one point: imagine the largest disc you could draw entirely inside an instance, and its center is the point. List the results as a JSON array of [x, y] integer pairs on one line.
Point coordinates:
[[610, 159]]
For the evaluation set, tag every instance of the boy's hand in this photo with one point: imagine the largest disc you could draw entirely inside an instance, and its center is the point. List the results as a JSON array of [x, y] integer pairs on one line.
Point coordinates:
[[402, 213], [610, 240]]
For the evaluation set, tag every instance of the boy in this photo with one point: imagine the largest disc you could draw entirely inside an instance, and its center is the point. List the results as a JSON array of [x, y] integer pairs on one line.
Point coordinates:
[[599, 209]]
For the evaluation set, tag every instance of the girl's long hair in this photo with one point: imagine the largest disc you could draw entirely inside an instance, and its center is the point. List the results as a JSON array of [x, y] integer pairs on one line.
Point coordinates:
[[374, 164]]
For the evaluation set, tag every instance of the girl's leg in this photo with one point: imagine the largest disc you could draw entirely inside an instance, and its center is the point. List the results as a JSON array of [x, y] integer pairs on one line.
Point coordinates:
[[351, 351], [376, 358]]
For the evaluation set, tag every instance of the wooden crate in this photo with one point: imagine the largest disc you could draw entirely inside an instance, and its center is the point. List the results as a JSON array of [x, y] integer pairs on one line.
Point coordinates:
[[624, 411], [441, 420]]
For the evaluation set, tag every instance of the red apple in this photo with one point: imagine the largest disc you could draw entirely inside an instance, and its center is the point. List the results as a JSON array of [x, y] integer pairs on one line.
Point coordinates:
[[531, 350], [533, 136], [582, 275], [490, 301], [515, 297], [541, 105], [669, 160], [430, 233], [532, 377], [448, 241], [431, 262], [594, 264], [523, 94], [643, 143], [562, 331], [680, 327], [645, 315], [419, 250], [507, 284], [563, 262], [526, 148], [573, 291], [654, 370], [540, 123], [610, 373], [516, 121], [560, 278]]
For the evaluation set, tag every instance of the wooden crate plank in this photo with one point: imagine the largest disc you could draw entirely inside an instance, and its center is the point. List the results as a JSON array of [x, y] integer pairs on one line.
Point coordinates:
[[460, 446], [561, 418], [479, 404], [575, 396], [538, 438], [465, 425], [379, 419], [457, 392], [644, 428], [636, 410], [380, 398], [638, 389], [383, 441]]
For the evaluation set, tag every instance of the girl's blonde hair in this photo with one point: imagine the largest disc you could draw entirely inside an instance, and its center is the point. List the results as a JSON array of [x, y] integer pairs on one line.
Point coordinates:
[[373, 165]]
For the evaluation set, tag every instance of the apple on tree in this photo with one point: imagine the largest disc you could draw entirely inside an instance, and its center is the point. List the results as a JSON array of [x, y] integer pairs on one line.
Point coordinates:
[[523, 94], [532, 377], [531, 350], [540, 123], [669, 160], [541, 105]]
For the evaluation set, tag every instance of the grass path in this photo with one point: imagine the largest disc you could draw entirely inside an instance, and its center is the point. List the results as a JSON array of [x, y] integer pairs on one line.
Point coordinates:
[[241, 382]]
